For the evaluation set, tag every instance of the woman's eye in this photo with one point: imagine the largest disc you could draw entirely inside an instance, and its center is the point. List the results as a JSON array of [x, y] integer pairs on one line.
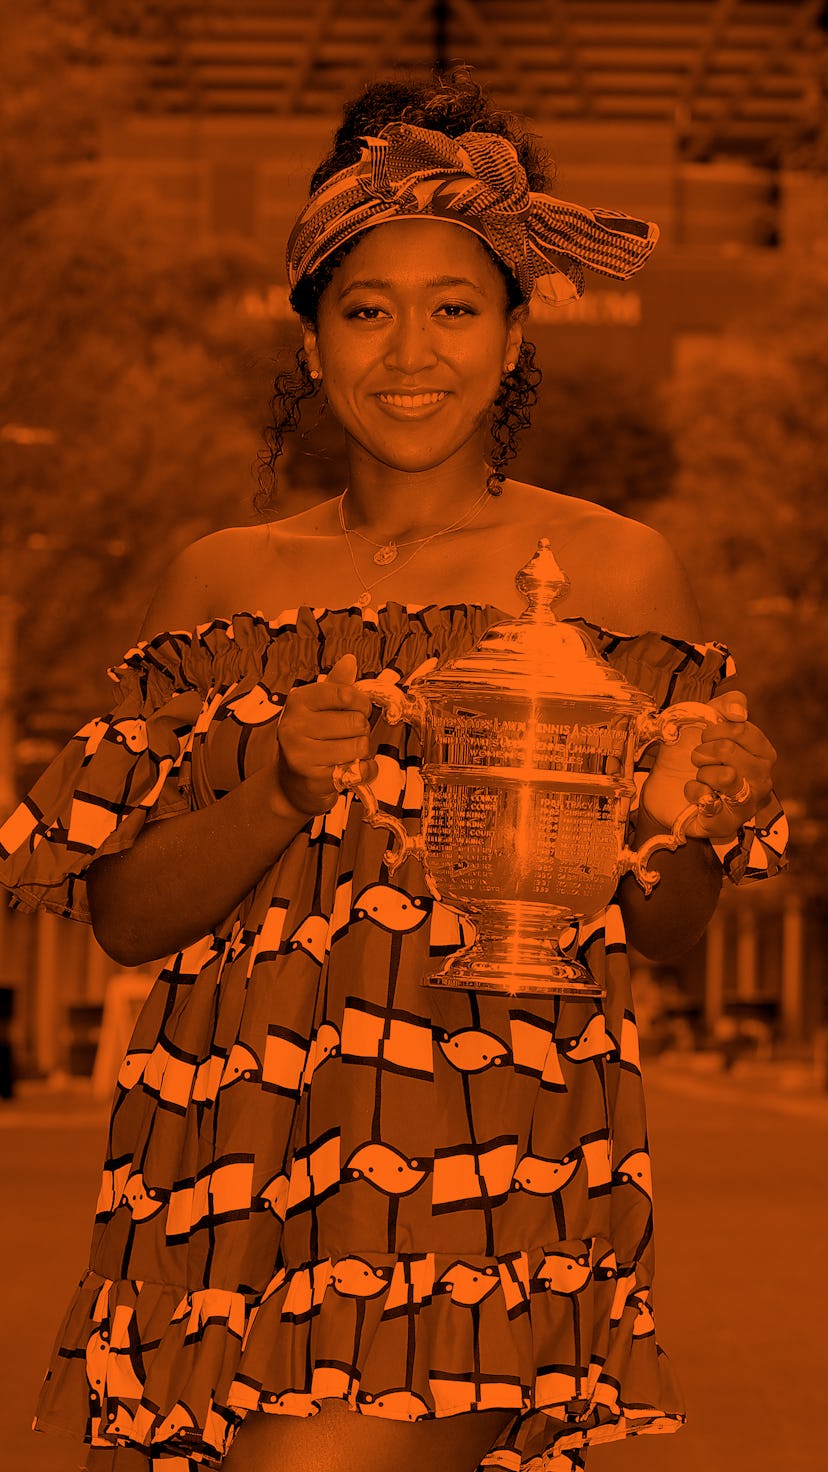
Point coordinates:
[[454, 311]]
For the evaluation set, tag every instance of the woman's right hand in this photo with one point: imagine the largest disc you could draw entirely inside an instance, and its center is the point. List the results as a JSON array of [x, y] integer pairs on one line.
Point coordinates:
[[322, 725]]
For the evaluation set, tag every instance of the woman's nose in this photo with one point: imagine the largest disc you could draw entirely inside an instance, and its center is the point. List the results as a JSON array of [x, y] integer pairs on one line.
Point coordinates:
[[410, 348]]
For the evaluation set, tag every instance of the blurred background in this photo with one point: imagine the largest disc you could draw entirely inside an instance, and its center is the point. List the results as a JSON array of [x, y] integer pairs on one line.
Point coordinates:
[[153, 158]]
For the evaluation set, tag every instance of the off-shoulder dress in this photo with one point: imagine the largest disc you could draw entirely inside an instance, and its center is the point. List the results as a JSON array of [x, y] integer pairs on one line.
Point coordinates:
[[323, 1179]]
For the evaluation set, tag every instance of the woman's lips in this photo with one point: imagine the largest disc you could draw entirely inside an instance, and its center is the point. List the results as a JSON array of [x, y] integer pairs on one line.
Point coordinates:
[[410, 403]]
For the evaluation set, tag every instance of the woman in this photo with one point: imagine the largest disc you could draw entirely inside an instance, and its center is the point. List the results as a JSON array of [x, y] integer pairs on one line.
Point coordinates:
[[401, 1222]]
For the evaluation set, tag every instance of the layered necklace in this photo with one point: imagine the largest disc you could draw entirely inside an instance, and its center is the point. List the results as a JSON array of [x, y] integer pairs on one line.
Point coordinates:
[[388, 552]]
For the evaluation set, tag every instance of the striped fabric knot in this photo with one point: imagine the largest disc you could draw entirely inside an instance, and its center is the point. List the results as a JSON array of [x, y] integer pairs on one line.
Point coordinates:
[[477, 181]]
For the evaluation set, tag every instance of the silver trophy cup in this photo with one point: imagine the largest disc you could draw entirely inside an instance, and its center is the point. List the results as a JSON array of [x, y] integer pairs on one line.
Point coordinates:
[[528, 748]]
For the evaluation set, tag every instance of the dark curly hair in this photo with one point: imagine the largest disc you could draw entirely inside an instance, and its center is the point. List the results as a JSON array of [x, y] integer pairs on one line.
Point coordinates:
[[453, 103]]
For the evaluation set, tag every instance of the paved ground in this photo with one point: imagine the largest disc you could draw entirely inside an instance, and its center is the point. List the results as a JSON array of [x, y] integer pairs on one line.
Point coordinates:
[[741, 1211]]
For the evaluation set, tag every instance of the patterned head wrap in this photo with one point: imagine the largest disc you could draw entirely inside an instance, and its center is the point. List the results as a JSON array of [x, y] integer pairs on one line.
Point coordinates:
[[477, 181]]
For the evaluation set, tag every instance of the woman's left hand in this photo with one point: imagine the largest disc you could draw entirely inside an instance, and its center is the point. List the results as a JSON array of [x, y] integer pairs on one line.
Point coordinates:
[[735, 759]]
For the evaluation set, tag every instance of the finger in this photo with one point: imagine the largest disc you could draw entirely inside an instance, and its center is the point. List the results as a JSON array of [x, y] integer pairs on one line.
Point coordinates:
[[701, 825], [758, 767], [737, 731], [311, 763], [723, 752], [344, 672], [331, 694], [369, 770], [737, 794], [721, 777], [695, 791], [315, 759], [327, 754], [732, 704], [303, 736], [727, 712], [720, 824], [731, 707], [342, 677], [335, 725]]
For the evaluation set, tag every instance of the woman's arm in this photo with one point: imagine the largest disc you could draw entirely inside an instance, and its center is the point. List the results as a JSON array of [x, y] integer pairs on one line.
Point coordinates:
[[184, 875], [645, 587], [674, 916]]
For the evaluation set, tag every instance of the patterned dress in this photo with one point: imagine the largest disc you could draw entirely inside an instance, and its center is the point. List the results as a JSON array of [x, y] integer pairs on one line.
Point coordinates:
[[323, 1179]]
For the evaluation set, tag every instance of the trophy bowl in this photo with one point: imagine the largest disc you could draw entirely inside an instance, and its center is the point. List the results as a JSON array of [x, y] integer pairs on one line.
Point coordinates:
[[529, 743]]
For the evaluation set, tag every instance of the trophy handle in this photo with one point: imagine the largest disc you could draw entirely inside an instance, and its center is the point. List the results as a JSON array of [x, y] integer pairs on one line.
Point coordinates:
[[635, 861], [666, 726], [396, 704], [347, 776]]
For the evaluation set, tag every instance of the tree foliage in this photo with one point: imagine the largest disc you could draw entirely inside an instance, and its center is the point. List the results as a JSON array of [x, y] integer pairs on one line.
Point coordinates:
[[749, 512], [127, 428], [600, 434]]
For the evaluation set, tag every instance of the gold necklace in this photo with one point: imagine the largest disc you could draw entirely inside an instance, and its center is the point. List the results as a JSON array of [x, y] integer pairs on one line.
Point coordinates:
[[367, 588], [386, 551]]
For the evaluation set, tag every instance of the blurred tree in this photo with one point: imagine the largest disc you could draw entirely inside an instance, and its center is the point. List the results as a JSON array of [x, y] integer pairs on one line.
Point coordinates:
[[126, 425], [599, 434], [749, 512]]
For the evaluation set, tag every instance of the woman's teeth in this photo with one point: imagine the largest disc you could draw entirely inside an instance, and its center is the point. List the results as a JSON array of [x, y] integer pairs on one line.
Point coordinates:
[[411, 401]]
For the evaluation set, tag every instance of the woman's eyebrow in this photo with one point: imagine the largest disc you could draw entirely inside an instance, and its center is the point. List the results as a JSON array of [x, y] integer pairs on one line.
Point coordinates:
[[376, 283]]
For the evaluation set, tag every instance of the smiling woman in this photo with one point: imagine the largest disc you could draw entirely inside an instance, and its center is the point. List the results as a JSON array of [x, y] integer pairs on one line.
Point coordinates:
[[346, 1220]]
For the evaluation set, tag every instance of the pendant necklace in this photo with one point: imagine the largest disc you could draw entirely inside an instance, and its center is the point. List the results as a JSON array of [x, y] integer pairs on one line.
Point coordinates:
[[386, 551], [389, 551]]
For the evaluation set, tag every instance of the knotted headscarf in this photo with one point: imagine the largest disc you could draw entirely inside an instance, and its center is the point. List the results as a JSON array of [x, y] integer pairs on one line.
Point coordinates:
[[475, 180]]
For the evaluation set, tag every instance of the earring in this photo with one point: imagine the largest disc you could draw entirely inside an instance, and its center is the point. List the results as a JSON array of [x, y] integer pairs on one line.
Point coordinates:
[[314, 374], [510, 367]]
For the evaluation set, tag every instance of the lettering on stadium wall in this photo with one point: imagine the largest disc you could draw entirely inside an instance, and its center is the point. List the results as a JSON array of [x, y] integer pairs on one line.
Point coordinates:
[[596, 308]]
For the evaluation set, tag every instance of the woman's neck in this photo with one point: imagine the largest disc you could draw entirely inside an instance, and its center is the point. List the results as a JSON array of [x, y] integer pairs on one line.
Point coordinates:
[[381, 503]]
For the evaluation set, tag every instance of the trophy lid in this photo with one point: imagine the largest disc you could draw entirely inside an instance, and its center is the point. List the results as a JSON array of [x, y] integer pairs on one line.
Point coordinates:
[[534, 655]]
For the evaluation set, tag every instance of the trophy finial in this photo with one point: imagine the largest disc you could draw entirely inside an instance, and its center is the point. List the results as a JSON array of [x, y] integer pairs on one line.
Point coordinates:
[[542, 583]]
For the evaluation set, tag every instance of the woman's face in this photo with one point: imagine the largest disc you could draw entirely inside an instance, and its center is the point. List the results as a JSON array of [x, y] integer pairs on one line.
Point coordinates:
[[412, 337]]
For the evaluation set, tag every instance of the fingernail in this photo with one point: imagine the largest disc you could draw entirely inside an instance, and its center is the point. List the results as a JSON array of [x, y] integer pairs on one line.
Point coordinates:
[[736, 711]]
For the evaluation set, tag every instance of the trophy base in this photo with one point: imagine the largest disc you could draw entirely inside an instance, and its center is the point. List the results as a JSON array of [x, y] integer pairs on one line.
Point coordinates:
[[517, 953]]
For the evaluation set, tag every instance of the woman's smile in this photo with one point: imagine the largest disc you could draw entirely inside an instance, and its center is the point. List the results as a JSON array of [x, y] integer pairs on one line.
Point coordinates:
[[412, 405]]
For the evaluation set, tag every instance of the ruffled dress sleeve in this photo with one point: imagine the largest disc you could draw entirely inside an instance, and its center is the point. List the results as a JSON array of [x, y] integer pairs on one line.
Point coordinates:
[[119, 771], [673, 671]]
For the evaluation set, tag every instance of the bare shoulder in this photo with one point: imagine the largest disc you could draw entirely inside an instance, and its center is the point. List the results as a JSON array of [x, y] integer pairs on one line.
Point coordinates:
[[625, 575], [195, 586], [643, 583]]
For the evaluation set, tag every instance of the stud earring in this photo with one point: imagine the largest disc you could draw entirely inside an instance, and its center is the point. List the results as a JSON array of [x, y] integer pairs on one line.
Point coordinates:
[[510, 367], [314, 374]]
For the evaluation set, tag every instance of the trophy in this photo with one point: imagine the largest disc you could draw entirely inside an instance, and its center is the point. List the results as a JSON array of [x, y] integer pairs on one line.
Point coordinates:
[[529, 743]]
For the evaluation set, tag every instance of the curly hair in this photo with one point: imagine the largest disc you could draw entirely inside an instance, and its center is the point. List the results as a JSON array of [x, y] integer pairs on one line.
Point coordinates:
[[453, 103]]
